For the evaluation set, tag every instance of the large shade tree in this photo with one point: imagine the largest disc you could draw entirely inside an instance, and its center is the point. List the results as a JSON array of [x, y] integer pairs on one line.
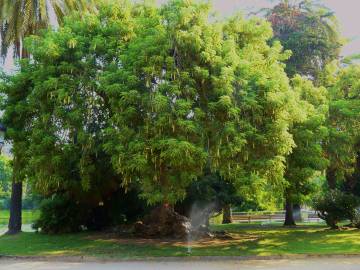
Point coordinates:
[[18, 20], [73, 108], [165, 93], [66, 111], [191, 94], [310, 133]]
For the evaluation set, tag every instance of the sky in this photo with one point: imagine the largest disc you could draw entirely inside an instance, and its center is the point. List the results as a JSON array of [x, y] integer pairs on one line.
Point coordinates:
[[347, 11]]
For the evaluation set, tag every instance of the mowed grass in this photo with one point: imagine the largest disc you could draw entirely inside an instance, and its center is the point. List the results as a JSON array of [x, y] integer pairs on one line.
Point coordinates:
[[28, 216], [247, 240]]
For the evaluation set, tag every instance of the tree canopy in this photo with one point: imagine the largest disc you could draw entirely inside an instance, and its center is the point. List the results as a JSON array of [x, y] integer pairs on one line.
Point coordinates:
[[213, 93], [344, 121], [310, 31], [143, 86]]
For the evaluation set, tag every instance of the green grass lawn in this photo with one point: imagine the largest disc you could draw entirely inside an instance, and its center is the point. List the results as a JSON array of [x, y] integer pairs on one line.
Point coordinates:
[[28, 216], [247, 240]]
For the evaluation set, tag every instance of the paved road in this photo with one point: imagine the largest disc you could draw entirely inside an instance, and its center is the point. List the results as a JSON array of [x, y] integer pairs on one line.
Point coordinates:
[[309, 264]]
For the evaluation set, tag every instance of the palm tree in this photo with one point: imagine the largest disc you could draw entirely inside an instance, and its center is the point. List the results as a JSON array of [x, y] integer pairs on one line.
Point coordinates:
[[317, 29], [22, 18], [18, 20]]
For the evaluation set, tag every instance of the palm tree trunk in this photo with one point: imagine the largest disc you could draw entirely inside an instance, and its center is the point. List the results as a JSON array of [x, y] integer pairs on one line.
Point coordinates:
[[227, 218], [15, 220]]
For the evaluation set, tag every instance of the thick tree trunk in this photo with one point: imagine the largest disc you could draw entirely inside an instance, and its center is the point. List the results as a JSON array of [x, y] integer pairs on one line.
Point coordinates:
[[163, 221], [15, 208], [227, 218], [289, 216], [331, 178]]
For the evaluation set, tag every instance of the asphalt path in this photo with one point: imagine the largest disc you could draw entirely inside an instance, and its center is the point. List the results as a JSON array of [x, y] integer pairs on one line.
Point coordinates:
[[301, 264]]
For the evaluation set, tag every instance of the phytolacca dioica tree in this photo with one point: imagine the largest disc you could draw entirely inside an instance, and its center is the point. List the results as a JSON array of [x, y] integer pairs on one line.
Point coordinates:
[[310, 134], [192, 92]]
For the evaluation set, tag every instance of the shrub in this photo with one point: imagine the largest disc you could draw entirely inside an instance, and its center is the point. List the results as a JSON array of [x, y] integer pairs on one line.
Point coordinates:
[[336, 206], [60, 214]]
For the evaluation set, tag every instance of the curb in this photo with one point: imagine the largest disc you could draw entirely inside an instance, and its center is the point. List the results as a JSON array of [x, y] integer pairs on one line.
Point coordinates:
[[84, 259]]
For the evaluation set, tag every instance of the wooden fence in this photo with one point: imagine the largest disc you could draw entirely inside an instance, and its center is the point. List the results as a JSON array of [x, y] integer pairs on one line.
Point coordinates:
[[278, 216]]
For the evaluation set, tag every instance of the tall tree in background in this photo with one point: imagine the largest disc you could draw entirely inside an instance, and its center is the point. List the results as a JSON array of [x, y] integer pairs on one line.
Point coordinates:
[[310, 31], [18, 20], [307, 157], [344, 125]]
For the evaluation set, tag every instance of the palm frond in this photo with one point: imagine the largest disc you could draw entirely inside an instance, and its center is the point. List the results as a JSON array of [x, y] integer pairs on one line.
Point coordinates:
[[22, 18]]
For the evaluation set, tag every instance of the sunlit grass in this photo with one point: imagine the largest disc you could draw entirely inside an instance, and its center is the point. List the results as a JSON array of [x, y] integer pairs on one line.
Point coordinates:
[[259, 240]]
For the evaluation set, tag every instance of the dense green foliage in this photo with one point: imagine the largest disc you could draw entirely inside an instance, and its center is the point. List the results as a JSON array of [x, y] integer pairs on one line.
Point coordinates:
[[344, 122], [5, 180], [335, 207], [310, 31], [171, 103], [62, 141], [19, 20], [307, 158], [23, 18], [60, 215], [189, 88], [84, 79]]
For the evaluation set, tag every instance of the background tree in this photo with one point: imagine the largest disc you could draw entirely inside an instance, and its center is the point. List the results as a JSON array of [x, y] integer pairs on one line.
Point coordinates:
[[307, 158], [344, 120], [310, 31], [19, 20], [69, 111], [17, 117]]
